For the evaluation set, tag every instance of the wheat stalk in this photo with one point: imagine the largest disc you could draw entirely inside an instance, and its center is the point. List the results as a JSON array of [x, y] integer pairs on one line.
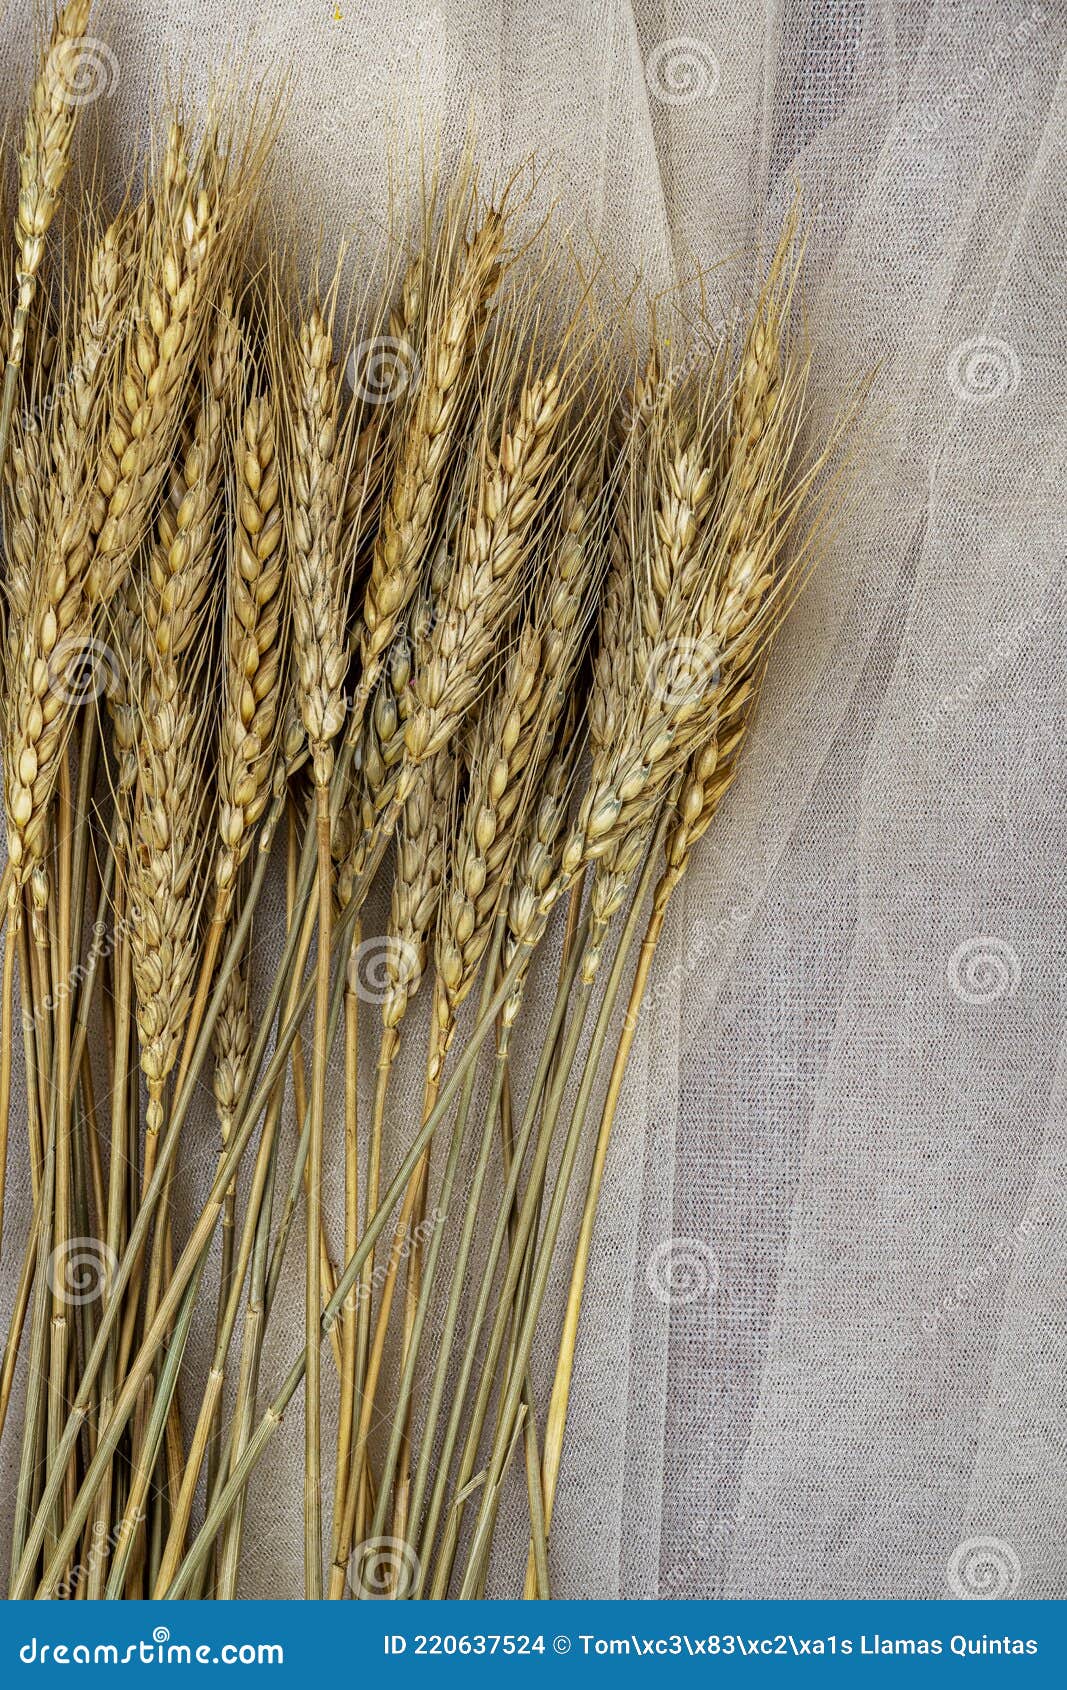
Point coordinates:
[[510, 743], [753, 509], [320, 662]]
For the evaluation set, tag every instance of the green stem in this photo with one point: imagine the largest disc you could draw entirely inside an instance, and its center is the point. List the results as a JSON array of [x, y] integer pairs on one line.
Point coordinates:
[[553, 1220], [426, 1451], [376, 1223], [407, 1380], [313, 1274], [152, 1443], [546, 1133], [110, 1434]]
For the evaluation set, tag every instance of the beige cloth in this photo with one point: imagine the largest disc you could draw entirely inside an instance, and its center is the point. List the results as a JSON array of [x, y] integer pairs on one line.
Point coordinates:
[[823, 1341]]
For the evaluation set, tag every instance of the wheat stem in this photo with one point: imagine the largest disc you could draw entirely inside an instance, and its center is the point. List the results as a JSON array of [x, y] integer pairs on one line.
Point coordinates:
[[400, 1434], [555, 1423], [428, 1529], [375, 1224], [512, 1394]]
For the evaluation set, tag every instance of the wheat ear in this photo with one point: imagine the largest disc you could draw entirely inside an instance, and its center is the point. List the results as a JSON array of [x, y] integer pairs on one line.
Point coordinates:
[[481, 599], [454, 328], [177, 277], [751, 508], [650, 691], [49, 632], [165, 853], [46, 633], [45, 157], [320, 663], [24, 484], [253, 642], [538, 864]]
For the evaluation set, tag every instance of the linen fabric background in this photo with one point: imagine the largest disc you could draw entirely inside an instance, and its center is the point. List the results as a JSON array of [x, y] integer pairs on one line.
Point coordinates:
[[822, 1348]]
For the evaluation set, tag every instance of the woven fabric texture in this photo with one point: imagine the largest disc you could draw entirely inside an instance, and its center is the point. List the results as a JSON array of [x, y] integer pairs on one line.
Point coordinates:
[[822, 1350]]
